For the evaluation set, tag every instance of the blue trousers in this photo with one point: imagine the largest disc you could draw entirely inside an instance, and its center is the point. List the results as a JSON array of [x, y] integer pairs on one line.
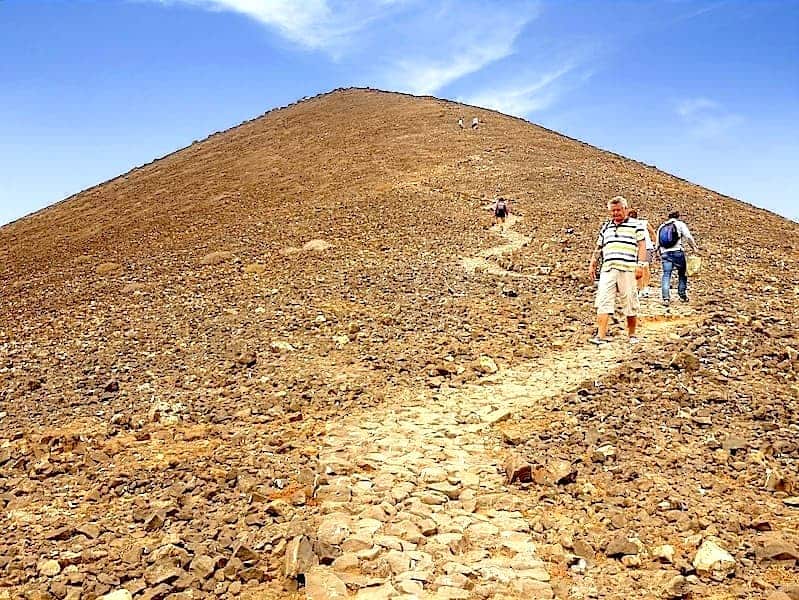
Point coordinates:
[[670, 261]]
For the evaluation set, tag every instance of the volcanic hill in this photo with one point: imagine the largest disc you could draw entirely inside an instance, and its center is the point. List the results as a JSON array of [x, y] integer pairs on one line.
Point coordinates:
[[295, 360]]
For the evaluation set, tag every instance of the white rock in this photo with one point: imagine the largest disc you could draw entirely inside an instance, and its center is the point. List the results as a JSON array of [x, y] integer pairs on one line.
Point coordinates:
[[664, 553], [316, 245], [48, 568], [280, 346], [121, 594], [714, 561], [322, 584], [497, 416], [486, 365]]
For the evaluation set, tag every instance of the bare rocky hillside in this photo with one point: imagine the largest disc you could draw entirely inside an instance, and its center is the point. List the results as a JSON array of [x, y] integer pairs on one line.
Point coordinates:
[[295, 360]]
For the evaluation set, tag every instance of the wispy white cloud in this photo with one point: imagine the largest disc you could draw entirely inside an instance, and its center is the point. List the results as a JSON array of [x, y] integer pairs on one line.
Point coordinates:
[[314, 24], [706, 118], [524, 95], [426, 75], [455, 40], [416, 46], [694, 106]]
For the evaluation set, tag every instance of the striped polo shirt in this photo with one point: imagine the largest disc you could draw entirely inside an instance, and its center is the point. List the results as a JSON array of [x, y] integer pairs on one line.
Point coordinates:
[[619, 244]]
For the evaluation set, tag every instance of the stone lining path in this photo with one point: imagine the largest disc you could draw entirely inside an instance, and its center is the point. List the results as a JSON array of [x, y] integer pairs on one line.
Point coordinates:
[[415, 494]]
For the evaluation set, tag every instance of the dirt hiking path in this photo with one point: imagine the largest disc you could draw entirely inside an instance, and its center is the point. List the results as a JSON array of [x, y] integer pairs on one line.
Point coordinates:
[[515, 240], [415, 491]]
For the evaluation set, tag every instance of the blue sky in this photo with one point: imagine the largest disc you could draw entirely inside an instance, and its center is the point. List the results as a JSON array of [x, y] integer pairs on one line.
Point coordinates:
[[707, 90]]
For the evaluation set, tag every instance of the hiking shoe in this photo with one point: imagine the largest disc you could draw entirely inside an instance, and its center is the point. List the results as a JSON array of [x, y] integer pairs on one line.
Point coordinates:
[[665, 302], [634, 339], [598, 341], [684, 298]]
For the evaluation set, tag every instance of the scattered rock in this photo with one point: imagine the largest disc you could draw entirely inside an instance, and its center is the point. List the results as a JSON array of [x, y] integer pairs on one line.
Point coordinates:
[[713, 561], [215, 258]]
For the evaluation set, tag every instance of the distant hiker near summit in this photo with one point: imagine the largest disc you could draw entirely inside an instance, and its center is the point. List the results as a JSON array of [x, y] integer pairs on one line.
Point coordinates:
[[672, 255], [622, 245], [475, 122]]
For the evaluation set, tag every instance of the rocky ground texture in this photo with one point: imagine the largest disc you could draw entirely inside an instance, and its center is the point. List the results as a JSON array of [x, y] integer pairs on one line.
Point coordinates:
[[295, 360]]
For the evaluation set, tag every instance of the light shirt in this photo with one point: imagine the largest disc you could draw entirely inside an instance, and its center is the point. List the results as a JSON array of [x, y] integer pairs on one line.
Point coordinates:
[[650, 244], [619, 244]]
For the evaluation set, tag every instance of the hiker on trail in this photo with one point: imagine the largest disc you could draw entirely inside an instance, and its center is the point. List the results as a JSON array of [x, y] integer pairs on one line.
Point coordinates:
[[501, 211], [475, 122], [460, 122], [622, 244], [670, 238], [643, 283]]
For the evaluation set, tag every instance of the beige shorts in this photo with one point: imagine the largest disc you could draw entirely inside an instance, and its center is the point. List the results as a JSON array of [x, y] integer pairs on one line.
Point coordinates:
[[615, 282]]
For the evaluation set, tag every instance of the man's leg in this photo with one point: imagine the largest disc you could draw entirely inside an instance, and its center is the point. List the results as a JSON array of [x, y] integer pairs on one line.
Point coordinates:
[[605, 301], [602, 325], [665, 280], [645, 279], [628, 293], [632, 323]]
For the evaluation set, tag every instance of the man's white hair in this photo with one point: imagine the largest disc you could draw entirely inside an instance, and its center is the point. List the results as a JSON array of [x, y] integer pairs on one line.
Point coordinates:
[[618, 200]]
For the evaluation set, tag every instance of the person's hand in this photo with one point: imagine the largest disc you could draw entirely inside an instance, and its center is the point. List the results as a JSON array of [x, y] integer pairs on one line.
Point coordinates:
[[592, 269], [639, 272]]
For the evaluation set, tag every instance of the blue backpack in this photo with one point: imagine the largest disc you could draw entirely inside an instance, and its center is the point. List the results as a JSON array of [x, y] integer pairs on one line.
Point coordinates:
[[668, 236]]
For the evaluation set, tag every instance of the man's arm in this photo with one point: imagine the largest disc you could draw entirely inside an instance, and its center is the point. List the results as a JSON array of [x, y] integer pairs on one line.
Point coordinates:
[[651, 232], [642, 251], [686, 234], [593, 263]]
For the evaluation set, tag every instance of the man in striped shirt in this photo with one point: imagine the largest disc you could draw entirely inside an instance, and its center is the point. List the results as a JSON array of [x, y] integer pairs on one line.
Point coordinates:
[[622, 242]]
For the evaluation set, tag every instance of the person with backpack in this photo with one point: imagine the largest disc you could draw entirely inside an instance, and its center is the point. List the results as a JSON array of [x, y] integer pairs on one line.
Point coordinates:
[[501, 211], [670, 247], [622, 245]]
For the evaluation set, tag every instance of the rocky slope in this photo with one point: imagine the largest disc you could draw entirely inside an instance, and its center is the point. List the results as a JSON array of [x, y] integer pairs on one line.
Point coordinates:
[[294, 359]]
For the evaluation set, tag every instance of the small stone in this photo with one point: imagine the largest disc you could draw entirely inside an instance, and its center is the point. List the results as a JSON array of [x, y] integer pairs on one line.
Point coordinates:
[[621, 546], [410, 587], [584, 549], [202, 566], [604, 453], [61, 533], [775, 547], [631, 561], [48, 568], [497, 416], [685, 360], [322, 584], [300, 557], [517, 469], [90, 530], [486, 365], [664, 553], [713, 561], [121, 594], [792, 589], [677, 587], [316, 245], [245, 553], [155, 521]]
